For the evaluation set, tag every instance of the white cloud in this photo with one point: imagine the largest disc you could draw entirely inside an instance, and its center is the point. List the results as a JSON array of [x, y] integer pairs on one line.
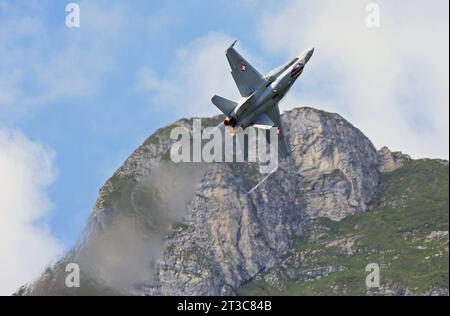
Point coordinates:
[[41, 63], [199, 71], [26, 245], [392, 82]]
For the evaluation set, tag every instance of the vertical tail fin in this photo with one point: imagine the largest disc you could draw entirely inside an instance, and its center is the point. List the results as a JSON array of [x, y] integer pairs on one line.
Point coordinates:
[[224, 105]]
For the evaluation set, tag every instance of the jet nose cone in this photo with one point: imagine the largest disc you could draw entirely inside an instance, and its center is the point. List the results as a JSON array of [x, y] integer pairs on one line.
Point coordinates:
[[309, 54]]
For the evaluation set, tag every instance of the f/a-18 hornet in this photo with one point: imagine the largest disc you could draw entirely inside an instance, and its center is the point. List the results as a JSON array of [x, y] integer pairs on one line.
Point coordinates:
[[258, 105]]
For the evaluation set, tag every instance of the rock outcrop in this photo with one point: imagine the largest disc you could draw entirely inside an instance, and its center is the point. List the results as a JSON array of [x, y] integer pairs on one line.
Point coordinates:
[[390, 161]]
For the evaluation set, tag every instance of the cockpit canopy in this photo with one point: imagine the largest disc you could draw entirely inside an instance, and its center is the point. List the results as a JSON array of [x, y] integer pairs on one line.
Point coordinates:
[[297, 70]]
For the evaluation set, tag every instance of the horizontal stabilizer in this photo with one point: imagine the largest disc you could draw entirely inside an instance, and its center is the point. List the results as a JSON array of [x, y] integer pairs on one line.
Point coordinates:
[[224, 105], [264, 122]]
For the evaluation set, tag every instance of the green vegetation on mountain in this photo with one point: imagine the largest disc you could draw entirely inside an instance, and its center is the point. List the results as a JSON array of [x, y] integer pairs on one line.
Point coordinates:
[[406, 234]]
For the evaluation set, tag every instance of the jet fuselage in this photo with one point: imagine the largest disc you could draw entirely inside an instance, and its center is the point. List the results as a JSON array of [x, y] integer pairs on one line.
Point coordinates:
[[277, 84]]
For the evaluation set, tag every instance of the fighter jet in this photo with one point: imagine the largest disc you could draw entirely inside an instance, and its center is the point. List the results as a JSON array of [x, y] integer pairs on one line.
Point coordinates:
[[258, 105]]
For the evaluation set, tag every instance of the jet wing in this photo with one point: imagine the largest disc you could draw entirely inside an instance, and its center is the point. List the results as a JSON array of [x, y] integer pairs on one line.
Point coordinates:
[[274, 115], [247, 78], [284, 149], [263, 122]]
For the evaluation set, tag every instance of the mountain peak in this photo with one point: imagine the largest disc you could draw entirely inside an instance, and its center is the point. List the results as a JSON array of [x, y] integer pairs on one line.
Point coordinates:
[[200, 229]]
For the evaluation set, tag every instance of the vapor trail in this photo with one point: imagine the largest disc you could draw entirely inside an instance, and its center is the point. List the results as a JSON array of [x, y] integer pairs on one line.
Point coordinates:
[[261, 182], [266, 177]]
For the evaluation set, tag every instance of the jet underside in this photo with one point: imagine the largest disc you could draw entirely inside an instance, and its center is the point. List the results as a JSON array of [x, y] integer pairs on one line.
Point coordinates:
[[258, 105]]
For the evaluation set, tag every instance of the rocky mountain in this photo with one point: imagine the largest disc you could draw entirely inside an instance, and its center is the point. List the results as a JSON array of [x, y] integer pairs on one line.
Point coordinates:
[[334, 206]]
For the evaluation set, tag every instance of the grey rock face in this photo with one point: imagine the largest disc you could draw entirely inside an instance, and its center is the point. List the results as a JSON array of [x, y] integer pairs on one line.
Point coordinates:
[[336, 162], [390, 161], [225, 236], [230, 239]]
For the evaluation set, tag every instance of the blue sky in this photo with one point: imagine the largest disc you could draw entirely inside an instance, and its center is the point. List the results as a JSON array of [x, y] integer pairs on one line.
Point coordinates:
[[93, 134], [88, 97]]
